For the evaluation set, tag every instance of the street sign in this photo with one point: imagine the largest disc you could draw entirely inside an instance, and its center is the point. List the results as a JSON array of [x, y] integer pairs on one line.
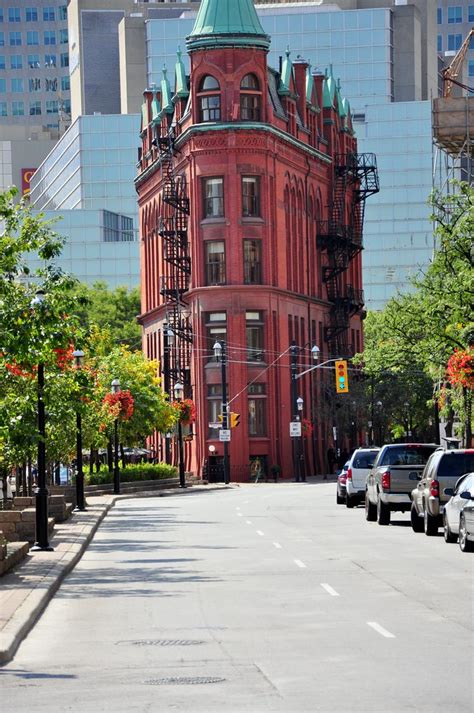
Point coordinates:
[[215, 424], [224, 434], [295, 429]]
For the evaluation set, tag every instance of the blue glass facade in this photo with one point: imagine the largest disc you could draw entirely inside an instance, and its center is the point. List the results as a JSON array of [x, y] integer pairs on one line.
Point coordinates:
[[88, 182], [358, 43]]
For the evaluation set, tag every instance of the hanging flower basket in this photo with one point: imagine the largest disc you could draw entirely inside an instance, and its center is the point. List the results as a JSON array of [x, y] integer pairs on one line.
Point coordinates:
[[124, 400], [306, 427], [187, 411], [460, 369]]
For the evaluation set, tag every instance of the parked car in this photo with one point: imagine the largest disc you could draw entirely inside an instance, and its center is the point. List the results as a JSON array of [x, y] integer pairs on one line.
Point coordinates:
[[390, 481], [341, 485], [360, 464], [442, 471], [458, 515]]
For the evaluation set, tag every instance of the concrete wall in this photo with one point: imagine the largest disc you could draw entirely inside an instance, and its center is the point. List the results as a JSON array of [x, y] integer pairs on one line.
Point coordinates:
[[132, 38]]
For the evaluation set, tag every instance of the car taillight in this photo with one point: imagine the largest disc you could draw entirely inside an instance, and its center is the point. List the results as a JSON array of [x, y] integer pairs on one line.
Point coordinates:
[[349, 474], [434, 489], [386, 480]]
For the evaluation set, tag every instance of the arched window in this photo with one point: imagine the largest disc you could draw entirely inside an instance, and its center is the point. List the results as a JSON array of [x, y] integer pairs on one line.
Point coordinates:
[[209, 99], [250, 98]]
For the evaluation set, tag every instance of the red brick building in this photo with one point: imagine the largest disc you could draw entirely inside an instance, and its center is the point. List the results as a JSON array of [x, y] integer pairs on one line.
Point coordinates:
[[251, 197]]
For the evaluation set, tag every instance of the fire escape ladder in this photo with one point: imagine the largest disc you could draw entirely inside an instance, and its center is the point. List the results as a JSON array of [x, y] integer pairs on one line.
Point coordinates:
[[173, 231]]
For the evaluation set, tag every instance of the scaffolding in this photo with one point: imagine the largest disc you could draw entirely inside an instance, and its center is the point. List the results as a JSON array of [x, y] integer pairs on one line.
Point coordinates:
[[341, 239]]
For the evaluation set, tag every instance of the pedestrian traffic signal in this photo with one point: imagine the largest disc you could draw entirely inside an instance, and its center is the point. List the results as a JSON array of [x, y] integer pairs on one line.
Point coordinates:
[[234, 419], [342, 382]]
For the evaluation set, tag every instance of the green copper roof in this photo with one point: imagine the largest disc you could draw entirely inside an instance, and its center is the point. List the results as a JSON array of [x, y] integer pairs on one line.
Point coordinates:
[[182, 90], [166, 103], [347, 115], [341, 108], [284, 87], [227, 23], [155, 109], [329, 90]]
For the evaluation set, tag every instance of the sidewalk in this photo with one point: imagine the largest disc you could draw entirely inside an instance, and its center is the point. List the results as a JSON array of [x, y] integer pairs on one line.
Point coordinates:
[[26, 591]]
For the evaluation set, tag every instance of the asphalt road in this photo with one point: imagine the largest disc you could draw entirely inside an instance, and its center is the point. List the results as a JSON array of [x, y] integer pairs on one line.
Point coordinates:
[[267, 597]]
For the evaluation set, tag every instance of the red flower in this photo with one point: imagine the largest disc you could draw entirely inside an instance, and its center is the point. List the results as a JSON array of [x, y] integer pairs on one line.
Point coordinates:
[[125, 400], [20, 371], [64, 357], [306, 427], [460, 369], [187, 411]]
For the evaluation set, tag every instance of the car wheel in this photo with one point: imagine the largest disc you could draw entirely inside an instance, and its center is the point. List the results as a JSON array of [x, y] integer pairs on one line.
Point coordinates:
[[339, 499], [449, 536], [430, 524], [415, 519], [465, 544], [350, 501], [383, 513], [370, 509]]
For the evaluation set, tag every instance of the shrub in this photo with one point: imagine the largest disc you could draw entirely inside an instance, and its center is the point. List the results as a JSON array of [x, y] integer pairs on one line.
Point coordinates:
[[134, 473]]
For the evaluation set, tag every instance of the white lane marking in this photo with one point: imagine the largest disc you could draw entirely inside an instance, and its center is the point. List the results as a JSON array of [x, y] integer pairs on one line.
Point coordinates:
[[259, 532], [239, 514], [381, 630], [300, 564], [330, 590], [248, 522], [277, 545]]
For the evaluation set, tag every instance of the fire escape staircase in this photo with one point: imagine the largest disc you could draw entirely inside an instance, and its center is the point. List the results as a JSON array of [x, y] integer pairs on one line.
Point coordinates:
[[340, 238]]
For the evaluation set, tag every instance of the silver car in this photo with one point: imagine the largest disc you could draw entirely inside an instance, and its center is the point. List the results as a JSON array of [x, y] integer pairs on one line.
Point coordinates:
[[458, 515]]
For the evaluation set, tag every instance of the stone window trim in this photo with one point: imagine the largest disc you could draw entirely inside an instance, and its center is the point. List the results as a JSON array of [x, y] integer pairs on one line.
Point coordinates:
[[250, 98]]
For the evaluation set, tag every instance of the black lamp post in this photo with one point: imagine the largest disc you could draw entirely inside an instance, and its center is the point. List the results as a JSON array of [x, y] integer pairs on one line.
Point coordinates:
[[78, 356], [115, 388], [41, 492], [300, 474], [297, 404], [379, 405], [408, 421], [221, 356], [178, 395], [168, 339]]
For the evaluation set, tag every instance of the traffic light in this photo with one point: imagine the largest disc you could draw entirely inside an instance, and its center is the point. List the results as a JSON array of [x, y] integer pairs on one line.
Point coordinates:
[[220, 417], [234, 419], [342, 382]]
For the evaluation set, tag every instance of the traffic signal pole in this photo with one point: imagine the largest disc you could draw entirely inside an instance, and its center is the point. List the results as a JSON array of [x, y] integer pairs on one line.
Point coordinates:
[[225, 412]]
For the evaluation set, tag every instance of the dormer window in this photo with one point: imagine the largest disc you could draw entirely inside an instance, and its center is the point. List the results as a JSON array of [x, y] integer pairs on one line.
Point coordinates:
[[250, 98], [209, 99]]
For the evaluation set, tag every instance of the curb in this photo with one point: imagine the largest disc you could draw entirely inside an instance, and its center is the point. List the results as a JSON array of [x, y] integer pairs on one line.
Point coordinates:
[[29, 611]]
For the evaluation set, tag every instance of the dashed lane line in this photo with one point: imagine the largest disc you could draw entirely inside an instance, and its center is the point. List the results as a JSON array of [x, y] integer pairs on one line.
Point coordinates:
[[299, 563], [330, 590], [277, 545], [381, 630], [259, 532]]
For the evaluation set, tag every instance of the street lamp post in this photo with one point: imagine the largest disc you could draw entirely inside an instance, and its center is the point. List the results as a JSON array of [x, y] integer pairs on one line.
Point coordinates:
[[168, 339], [178, 395], [297, 404], [41, 492], [221, 355], [78, 356], [115, 389], [379, 405], [408, 421], [300, 474]]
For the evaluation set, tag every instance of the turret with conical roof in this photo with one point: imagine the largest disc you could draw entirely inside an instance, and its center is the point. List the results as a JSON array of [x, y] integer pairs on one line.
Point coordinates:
[[227, 23]]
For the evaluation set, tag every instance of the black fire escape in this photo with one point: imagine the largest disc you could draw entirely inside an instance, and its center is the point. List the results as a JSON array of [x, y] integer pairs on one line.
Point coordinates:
[[173, 230], [340, 238]]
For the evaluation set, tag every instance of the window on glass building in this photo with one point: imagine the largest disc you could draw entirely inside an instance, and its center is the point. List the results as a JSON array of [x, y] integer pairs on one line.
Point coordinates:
[[14, 14], [52, 107], [65, 83], [15, 39], [252, 262], [51, 85], [2, 39], [454, 14], [62, 10], [1, 14], [48, 14], [49, 37], [257, 408], [32, 37], [33, 61], [250, 196], [117, 228], [3, 86], [216, 331], [35, 108], [214, 252], [16, 61], [31, 14], [213, 193], [209, 100], [440, 16], [254, 336], [471, 68], [2, 61], [454, 42], [440, 43], [50, 60], [64, 59], [17, 86], [63, 37], [3, 109], [34, 84], [250, 98], [18, 109], [470, 13]]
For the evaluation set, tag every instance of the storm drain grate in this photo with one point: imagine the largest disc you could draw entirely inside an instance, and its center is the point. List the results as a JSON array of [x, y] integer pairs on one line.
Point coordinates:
[[184, 680], [167, 642]]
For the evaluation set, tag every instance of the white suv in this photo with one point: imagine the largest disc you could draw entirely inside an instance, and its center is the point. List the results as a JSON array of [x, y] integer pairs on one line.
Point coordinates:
[[360, 463]]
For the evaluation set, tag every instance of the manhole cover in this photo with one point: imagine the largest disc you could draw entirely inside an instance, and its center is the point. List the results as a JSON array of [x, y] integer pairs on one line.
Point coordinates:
[[184, 680], [167, 642]]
